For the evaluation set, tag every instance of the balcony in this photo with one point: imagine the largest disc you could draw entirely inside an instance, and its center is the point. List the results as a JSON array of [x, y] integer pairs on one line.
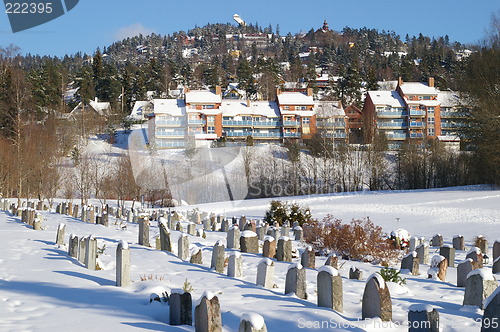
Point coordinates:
[[274, 124], [292, 135], [170, 134], [416, 135], [396, 136], [197, 122], [417, 113], [448, 114], [170, 122], [267, 135], [395, 125], [336, 135], [336, 124], [163, 144], [236, 123], [414, 124], [238, 133], [291, 123], [391, 114]]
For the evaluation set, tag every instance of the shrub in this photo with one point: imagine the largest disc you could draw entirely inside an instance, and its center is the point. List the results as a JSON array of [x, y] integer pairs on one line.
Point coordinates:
[[358, 240], [281, 212], [392, 275], [187, 287]]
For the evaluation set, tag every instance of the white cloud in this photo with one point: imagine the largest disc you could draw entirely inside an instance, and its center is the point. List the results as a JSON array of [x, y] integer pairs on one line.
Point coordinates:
[[132, 30]]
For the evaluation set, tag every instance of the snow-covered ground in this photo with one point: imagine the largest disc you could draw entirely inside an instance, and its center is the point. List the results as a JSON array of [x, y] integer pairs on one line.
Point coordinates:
[[43, 289]]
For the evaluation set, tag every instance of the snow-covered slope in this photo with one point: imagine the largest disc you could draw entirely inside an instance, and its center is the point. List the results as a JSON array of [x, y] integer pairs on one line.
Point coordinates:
[[43, 289]]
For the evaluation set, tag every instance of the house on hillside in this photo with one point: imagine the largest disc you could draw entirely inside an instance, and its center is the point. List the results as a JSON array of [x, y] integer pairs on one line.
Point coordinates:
[[413, 112]]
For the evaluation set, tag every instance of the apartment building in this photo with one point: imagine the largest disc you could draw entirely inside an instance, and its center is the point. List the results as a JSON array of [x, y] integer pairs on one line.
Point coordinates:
[[204, 116], [414, 112]]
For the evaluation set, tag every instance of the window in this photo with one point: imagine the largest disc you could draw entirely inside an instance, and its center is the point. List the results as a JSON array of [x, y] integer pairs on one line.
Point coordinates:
[[306, 120], [286, 108], [210, 130], [430, 131], [430, 110], [208, 106], [430, 120]]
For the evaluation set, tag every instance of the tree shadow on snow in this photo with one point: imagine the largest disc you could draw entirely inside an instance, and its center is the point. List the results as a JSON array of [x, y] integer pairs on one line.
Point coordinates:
[[97, 280]]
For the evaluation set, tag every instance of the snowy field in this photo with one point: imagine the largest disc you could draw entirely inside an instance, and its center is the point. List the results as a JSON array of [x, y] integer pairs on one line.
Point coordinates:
[[43, 289]]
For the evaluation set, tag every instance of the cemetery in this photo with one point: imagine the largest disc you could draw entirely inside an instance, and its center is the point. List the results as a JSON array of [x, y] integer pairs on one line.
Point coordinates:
[[213, 269]]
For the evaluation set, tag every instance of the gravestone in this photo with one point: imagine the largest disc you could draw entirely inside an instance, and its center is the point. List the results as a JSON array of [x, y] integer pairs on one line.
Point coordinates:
[[144, 231], [422, 253], [448, 253], [200, 232], [458, 242], [329, 288], [285, 229], [273, 231], [496, 249], [437, 240], [123, 264], [224, 225], [242, 223], [181, 308], [476, 255], [308, 258], [37, 223], [91, 215], [423, 317], [82, 251], [75, 211], [178, 227], [196, 256], [376, 299], [414, 242], [296, 281], [191, 229], [60, 234], [496, 265], [251, 322], [410, 262], [355, 273], [265, 273], [463, 270], [73, 246], [218, 257], [479, 285], [235, 265], [269, 248], [261, 232], [332, 261], [298, 233], [165, 242], [489, 322], [438, 267], [183, 247], [249, 242], [207, 315], [284, 249], [206, 224], [91, 253], [233, 238]]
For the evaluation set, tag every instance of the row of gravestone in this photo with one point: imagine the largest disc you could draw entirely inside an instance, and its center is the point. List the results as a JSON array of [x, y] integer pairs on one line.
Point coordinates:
[[458, 243], [84, 249], [480, 284]]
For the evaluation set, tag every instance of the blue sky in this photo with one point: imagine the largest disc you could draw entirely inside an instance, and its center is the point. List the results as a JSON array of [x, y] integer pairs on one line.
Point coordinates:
[[94, 23]]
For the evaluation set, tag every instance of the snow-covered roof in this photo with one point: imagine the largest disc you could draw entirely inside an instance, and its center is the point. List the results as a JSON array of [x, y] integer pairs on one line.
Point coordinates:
[[387, 85], [261, 108], [448, 138], [202, 96], [327, 109], [138, 112], [417, 88], [101, 107], [390, 98], [294, 98], [173, 107]]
